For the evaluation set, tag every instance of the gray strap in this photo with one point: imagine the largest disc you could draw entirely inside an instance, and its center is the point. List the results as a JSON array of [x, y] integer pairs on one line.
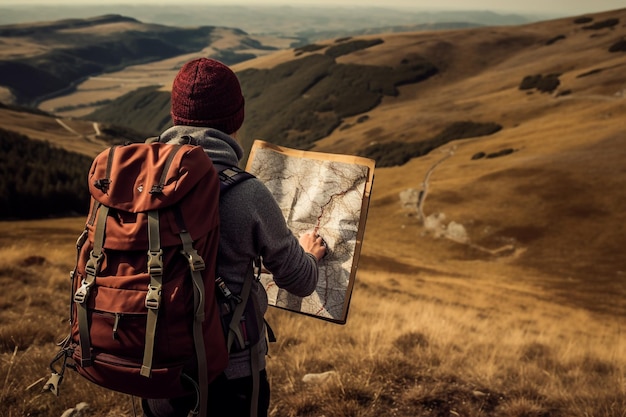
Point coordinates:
[[153, 298], [92, 268], [255, 364], [196, 265], [255, 351], [235, 331], [234, 327], [80, 242]]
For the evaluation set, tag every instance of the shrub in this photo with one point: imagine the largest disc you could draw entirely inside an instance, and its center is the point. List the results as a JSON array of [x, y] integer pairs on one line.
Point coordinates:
[[545, 84], [529, 82], [592, 72], [555, 39], [502, 152], [583, 20], [548, 83], [608, 23], [619, 46], [229, 57], [308, 48], [349, 47]]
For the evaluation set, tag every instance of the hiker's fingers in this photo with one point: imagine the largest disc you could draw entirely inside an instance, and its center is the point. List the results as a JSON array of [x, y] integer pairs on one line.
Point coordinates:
[[313, 243]]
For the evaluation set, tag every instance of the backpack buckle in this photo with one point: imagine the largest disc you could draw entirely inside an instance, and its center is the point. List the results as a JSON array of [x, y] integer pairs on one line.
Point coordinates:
[[225, 291], [155, 263], [153, 298], [82, 293], [92, 267], [196, 263], [102, 184]]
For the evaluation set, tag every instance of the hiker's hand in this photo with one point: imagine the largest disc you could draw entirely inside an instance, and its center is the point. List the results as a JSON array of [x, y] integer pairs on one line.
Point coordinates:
[[314, 244]]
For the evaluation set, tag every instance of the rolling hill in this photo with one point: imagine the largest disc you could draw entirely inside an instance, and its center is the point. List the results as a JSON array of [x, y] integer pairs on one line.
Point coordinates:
[[42, 60], [514, 138]]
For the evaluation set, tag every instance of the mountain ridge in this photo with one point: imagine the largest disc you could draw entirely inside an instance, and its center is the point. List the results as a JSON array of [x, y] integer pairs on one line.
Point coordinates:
[[48, 59]]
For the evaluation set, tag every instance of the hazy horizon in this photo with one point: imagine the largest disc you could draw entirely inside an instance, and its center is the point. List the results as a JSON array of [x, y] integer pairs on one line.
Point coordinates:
[[559, 7]]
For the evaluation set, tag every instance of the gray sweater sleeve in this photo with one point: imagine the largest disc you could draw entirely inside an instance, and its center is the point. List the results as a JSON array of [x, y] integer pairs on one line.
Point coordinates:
[[259, 228]]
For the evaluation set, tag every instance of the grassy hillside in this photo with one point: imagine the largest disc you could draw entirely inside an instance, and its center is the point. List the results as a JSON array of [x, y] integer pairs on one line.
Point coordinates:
[[490, 281], [508, 123], [39, 61]]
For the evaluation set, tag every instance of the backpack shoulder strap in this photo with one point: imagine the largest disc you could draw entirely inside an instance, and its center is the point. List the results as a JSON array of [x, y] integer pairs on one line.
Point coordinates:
[[230, 176]]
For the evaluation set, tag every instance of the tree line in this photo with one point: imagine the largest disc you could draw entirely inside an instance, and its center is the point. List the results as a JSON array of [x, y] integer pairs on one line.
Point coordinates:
[[38, 180]]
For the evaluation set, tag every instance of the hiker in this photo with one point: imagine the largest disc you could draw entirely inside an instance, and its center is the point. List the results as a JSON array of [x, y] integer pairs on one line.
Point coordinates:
[[207, 109]]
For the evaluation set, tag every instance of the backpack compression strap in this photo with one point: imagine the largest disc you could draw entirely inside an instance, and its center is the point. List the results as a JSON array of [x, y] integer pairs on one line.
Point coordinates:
[[92, 268], [196, 265], [153, 298], [155, 269]]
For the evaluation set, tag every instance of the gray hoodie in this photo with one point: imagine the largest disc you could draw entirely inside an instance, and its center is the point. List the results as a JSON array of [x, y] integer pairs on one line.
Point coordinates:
[[251, 225]]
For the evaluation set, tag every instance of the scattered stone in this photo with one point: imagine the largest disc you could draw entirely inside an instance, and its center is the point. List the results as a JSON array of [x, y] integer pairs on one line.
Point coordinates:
[[79, 411], [456, 231], [500, 153], [320, 378], [409, 198], [434, 223]]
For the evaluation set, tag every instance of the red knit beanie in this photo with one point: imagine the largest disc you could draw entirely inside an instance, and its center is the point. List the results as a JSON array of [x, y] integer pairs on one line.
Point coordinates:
[[207, 93]]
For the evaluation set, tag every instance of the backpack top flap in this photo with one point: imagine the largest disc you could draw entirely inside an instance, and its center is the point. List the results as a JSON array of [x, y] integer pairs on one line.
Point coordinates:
[[131, 177], [190, 183]]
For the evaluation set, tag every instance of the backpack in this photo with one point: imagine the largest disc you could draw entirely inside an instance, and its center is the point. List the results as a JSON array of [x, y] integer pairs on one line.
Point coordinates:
[[145, 316]]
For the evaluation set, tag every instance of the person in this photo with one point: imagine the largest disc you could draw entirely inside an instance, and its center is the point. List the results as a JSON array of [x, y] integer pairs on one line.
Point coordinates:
[[207, 109]]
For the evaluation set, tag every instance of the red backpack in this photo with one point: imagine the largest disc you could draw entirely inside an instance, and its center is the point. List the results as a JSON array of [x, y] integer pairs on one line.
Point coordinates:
[[144, 318]]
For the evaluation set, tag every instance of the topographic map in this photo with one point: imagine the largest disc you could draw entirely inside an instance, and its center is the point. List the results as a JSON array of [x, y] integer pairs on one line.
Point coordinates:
[[326, 192]]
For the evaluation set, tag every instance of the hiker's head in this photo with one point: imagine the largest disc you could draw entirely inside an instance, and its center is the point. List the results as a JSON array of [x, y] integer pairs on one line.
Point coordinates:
[[207, 93]]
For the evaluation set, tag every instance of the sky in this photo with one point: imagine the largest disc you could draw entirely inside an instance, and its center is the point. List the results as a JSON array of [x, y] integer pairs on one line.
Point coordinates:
[[560, 7]]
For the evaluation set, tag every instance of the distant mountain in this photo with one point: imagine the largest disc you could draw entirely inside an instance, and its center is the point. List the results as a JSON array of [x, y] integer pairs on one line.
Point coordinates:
[[42, 58], [289, 21], [39, 61]]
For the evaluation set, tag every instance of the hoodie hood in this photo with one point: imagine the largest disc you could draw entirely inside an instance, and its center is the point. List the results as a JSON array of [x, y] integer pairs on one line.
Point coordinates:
[[220, 147]]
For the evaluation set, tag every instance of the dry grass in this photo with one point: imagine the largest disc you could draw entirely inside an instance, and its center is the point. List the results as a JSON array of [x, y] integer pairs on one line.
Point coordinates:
[[429, 342], [436, 347], [436, 328]]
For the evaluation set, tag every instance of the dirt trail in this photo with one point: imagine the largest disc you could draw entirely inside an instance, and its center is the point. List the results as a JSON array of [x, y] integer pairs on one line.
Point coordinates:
[[91, 138]]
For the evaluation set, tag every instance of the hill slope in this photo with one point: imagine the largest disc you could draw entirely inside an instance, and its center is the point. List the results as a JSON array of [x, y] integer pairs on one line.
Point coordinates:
[[39, 61], [538, 199]]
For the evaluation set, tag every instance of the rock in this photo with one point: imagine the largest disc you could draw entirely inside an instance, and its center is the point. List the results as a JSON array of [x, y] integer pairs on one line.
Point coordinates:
[[457, 232], [320, 378], [409, 198], [79, 411]]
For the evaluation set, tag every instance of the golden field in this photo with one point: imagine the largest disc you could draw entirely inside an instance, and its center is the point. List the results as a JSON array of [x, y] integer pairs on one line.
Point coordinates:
[[522, 317]]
